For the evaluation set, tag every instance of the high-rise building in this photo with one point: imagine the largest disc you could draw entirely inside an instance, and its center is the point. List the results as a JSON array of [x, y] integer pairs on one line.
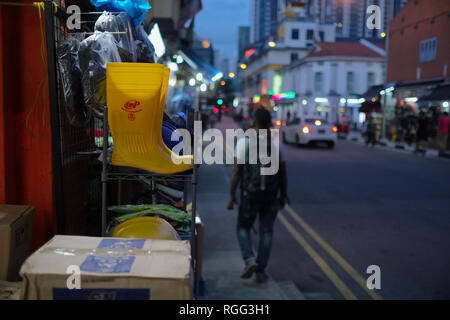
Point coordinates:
[[244, 41], [350, 16], [204, 50], [263, 19]]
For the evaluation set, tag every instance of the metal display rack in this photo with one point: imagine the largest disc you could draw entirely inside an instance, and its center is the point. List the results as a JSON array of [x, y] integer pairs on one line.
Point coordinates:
[[109, 175], [56, 31]]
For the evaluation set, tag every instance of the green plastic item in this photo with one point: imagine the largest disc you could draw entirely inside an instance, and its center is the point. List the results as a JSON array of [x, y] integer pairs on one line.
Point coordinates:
[[130, 211]]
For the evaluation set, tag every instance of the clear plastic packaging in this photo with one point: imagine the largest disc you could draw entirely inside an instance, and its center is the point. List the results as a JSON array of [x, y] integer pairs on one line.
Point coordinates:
[[119, 26], [95, 52], [70, 74], [145, 52]]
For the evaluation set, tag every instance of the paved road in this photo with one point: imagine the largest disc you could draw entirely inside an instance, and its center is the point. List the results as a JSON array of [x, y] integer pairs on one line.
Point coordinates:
[[351, 207]]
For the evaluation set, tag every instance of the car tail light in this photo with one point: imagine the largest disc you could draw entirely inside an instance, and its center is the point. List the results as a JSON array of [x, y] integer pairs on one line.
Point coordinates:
[[245, 116], [278, 123], [306, 129], [334, 129]]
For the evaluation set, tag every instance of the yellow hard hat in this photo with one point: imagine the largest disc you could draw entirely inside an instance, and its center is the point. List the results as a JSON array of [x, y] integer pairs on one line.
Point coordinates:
[[145, 228]]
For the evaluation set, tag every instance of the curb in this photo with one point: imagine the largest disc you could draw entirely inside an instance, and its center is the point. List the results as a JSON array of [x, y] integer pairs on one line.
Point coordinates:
[[431, 153]]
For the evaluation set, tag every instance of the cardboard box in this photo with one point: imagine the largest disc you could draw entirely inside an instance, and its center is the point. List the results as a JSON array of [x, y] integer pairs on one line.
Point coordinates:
[[16, 227], [110, 269]]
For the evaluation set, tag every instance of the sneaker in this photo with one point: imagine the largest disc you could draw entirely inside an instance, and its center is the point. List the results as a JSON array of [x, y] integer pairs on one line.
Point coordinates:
[[249, 269], [261, 277]]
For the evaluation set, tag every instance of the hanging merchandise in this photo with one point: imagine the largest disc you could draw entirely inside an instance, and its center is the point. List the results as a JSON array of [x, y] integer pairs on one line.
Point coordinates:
[[169, 131], [95, 52], [70, 74], [119, 26], [145, 51], [137, 9]]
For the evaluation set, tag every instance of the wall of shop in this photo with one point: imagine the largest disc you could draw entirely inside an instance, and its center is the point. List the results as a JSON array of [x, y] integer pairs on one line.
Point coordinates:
[[25, 162], [412, 25]]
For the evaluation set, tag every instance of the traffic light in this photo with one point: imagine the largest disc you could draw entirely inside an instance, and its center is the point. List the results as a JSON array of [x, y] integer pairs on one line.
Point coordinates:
[[219, 102]]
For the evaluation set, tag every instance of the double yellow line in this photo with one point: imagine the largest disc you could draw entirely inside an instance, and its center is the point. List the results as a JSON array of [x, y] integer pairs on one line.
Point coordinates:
[[334, 278]]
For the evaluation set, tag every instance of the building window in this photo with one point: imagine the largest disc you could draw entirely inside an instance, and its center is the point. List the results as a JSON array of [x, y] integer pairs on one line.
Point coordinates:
[[294, 56], [428, 50], [295, 34], [310, 35], [350, 81], [370, 79], [318, 82], [322, 35]]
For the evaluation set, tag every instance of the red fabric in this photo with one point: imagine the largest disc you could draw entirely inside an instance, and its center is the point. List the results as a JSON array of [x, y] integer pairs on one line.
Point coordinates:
[[26, 174], [444, 123]]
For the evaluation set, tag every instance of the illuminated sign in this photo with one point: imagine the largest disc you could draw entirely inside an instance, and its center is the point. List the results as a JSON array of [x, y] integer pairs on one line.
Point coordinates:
[[248, 53], [277, 84], [284, 96]]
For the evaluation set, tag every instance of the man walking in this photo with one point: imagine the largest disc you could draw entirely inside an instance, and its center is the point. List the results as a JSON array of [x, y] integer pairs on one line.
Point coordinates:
[[261, 196], [444, 123]]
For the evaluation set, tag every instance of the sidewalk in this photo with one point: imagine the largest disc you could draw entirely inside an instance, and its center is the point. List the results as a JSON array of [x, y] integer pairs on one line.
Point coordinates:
[[432, 153], [222, 262]]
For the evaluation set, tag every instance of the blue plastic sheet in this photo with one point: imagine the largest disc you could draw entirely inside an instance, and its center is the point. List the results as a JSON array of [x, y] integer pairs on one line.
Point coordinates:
[[137, 9]]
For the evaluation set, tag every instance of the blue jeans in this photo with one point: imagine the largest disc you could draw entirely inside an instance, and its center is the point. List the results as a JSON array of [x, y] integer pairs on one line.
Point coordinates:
[[267, 213]]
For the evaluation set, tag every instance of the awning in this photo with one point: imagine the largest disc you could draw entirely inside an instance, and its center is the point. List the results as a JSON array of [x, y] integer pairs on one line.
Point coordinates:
[[418, 83], [369, 107], [372, 92], [198, 65], [441, 93]]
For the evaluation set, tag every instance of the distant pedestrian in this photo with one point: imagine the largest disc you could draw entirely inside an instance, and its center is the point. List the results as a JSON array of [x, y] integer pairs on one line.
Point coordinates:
[[444, 123], [422, 132], [262, 197], [371, 132]]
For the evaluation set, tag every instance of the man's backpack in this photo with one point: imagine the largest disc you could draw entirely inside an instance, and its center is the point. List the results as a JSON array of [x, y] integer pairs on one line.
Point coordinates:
[[257, 187]]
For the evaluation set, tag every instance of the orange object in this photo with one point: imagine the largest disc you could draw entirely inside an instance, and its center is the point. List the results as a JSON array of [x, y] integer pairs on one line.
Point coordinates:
[[136, 95]]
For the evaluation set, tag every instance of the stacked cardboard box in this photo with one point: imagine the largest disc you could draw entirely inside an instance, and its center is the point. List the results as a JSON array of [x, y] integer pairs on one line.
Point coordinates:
[[79, 268], [16, 224]]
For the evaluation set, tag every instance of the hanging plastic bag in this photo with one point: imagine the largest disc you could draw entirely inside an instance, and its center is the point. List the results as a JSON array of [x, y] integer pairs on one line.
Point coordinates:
[[95, 52], [145, 52], [69, 69], [119, 26], [137, 9]]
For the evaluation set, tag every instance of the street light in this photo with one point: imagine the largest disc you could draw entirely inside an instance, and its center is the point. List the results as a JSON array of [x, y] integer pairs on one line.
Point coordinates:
[[243, 66], [192, 82], [203, 87], [272, 44], [180, 59], [231, 75], [199, 77]]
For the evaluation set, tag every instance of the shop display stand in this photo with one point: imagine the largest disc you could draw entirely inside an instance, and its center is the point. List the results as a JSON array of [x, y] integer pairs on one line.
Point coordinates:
[[54, 30], [110, 175]]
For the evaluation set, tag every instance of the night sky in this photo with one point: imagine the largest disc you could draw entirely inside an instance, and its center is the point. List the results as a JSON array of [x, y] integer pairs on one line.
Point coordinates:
[[219, 21]]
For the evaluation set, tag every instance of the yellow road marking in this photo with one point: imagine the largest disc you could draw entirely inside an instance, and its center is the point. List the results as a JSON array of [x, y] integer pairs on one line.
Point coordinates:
[[340, 285], [333, 253]]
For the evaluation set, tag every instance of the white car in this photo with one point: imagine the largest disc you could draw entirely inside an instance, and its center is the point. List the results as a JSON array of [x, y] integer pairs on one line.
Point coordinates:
[[310, 130]]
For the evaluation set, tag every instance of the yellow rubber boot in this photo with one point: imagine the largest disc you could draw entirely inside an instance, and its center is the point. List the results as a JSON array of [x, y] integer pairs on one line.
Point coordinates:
[[136, 95]]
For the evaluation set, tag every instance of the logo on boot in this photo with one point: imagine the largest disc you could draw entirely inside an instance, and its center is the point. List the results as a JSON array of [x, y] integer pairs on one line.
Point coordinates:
[[130, 107]]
